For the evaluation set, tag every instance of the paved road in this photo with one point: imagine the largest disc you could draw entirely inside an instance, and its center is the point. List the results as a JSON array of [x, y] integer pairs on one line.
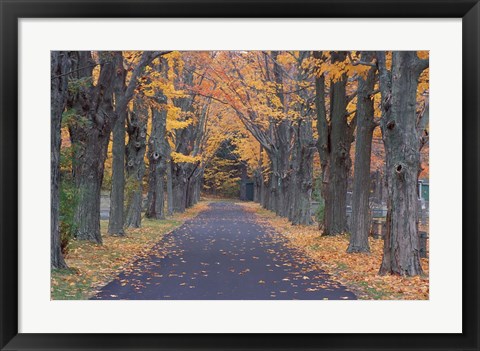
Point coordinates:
[[223, 254]]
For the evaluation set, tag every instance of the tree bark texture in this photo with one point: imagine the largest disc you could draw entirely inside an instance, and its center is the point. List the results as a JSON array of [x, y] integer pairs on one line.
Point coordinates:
[[283, 134], [401, 253], [135, 163], [93, 105], [179, 183], [301, 182], [340, 163], [157, 158], [360, 227], [60, 66], [243, 181], [192, 185], [334, 142], [302, 186], [169, 186], [117, 194]]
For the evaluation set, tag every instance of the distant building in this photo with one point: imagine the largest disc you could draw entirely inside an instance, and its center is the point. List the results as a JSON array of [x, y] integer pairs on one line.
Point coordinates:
[[423, 190]]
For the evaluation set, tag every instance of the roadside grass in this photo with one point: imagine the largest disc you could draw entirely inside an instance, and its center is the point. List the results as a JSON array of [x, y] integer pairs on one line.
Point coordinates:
[[358, 272], [91, 266]]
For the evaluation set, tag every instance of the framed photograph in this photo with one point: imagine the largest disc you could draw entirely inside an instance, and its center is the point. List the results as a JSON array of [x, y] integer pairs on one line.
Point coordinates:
[[239, 175]]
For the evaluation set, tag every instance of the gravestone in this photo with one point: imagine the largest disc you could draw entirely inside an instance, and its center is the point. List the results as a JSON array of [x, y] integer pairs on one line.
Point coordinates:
[[379, 227], [104, 206]]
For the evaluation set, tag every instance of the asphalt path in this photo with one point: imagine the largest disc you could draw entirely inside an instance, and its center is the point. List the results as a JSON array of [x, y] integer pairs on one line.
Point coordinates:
[[223, 254]]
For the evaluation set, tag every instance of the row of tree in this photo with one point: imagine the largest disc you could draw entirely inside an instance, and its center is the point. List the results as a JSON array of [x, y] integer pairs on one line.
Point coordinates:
[[278, 109], [103, 98]]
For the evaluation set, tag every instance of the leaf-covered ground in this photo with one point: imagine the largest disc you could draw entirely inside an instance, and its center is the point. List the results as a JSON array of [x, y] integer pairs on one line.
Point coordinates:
[[91, 266], [356, 271], [224, 254]]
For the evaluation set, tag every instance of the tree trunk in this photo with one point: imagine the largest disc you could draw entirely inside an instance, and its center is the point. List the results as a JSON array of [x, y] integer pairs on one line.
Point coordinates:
[[257, 194], [272, 204], [261, 181], [191, 188], [303, 175], [243, 181], [340, 163], [302, 161], [135, 167], [88, 175], [294, 188], [401, 253], [117, 195], [197, 187], [334, 142], [266, 193], [157, 165], [60, 65], [360, 227], [283, 182], [283, 133], [179, 187], [169, 187], [323, 143], [90, 137]]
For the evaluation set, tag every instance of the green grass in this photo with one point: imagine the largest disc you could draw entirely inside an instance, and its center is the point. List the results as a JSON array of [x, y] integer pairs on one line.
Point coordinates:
[[69, 288], [373, 293], [341, 265], [315, 247]]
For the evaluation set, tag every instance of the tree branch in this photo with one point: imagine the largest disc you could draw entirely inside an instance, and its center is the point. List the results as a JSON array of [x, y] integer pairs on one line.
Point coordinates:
[[360, 62], [423, 64]]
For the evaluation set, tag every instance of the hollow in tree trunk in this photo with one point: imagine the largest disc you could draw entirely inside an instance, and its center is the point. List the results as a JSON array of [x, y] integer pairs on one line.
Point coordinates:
[[401, 254], [157, 158], [135, 165]]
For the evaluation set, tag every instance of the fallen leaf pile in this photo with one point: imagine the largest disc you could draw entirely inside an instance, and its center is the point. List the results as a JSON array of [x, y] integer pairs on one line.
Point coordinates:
[[358, 272], [91, 266]]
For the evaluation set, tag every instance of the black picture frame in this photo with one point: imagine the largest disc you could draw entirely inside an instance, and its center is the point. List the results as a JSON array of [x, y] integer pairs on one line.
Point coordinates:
[[11, 11]]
